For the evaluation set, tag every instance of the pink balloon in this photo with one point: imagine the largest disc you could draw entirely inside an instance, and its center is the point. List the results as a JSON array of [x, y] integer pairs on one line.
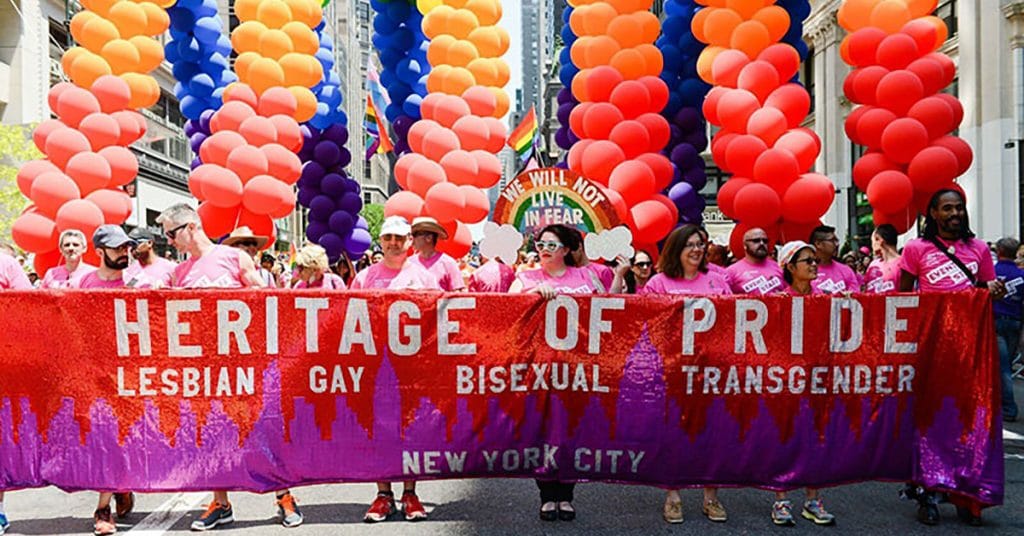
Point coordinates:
[[124, 167], [478, 206], [51, 190], [439, 142], [405, 204], [79, 214], [222, 187], [28, 173], [402, 167], [64, 143], [44, 130], [444, 201], [74, 104], [101, 129], [460, 167], [90, 171], [282, 164]]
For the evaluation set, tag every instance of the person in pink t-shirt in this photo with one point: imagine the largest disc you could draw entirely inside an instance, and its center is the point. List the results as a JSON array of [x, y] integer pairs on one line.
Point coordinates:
[[149, 269], [12, 277], [755, 273], [313, 270], [682, 269], [833, 277], [492, 276], [603, 273], [883, 274], [72, 247], [215, 266], [425, 234], [632, 276]]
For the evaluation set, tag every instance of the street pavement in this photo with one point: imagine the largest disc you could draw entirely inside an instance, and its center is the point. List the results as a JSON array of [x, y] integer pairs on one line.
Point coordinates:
[[509, 506]]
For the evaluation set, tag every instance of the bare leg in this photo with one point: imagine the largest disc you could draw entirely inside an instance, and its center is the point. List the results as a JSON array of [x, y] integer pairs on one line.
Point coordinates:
[[673, 496], [410, 486], [812, 494], [104, 500], [710, 495], [383, 486], [221, 497]]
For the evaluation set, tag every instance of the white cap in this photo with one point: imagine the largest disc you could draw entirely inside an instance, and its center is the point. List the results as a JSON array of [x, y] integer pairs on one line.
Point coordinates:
[[395, 225], [790, 249]]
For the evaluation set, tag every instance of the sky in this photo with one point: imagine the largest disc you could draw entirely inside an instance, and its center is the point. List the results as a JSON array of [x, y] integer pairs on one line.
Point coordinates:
[[511, 21]]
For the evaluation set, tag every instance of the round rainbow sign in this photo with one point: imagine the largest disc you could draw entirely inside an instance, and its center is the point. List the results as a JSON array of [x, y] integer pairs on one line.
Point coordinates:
[[546, 196]]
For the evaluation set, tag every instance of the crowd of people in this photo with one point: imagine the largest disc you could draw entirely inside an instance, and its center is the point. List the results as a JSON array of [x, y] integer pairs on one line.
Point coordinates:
[[947, 257]]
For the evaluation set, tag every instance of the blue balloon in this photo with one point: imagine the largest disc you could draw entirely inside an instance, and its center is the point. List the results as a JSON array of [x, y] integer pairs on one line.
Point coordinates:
[[171, 52], [201, 85], [185, 70], [409, 71], [326, 42], [567, 73], [207, 8], [331, 96], [320, 119], [398, 10], [207, 30], [191, 5], [392, 111], [565, 56], [383, 24], [411, 106], [326, 58], [567, 35], [192, 108], [333, 79], [222, 46], [403, 39], [182, 20], [189, 50], [399, 92]]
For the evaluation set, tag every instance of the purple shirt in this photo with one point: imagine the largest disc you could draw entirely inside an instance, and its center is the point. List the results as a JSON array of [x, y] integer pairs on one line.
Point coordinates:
[[92, 280], [936, 272], [12, 277], [573, 281], [759, 278], [836, 277], [703, 284], [443, 268], [157, 274], [493, 276], [412, 276]]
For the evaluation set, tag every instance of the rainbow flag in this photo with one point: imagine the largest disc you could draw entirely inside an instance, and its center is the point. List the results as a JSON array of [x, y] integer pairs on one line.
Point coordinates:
[[291, 255], [524, 138], [377, 134]]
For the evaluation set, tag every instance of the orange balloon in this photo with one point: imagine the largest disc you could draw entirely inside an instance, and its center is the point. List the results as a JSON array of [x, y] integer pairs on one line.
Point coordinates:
[[941, 30], [597, 18], [653, 60], [461, 23], [461, 53], [121, 55], [305, 11], [458, 81], [504, 103], [844, 50], [246, 37], [629, 6], [306, 103], [921, 8], [237, 91], [720, 25], [304, 40], [504, 73], [650, 24], [87, 67], [457, 4], [265, 73], [145, 90], [706, 60], [855, 14], [273, 13], [300, 70], [488, 41], [578, 52], [630, 63], [129, 18], [751, 37], [245, 10], [151, 54], [484, 71], [579, 85], [626, 30], [435, 80], [274, 44], [101, 7], [243, 62], [745, 8], [79, 21], [600, 51], [157, 20], [69, 57], [697, 25], [96, 33], [890, 15], [776, 19], [437, 50], [488, 12], [435, 23]]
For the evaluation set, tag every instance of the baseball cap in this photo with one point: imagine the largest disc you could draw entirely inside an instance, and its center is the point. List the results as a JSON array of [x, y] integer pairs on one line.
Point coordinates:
[[141, 234], [111, 236], [395, 225], [790, 249]]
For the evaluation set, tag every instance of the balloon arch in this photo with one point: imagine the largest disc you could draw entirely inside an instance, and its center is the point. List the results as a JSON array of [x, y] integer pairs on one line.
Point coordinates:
[[269, 130]]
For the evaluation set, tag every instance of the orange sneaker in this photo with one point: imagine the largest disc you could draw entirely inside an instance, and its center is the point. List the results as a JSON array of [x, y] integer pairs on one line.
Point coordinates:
[[216, 514]]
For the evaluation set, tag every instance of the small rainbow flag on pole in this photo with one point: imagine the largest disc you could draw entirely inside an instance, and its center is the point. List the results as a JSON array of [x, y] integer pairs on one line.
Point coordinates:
[[523, 139], [376, 131]]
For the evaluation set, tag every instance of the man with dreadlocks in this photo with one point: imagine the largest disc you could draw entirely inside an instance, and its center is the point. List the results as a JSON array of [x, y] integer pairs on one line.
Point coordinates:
[[947, 258]]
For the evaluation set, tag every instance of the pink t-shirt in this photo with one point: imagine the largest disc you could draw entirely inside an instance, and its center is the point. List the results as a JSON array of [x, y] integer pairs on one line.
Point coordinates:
[[708, 283], [157, 274], [330, 281], [716, 269], [573, 281], [760, 278], [92, 280], [412, 276], [936, 272], [814, 291], [604, 274], [444, 269], [12, 277], [836, 277], [219, 268], [493, 276], [59, 277], [882, 276]]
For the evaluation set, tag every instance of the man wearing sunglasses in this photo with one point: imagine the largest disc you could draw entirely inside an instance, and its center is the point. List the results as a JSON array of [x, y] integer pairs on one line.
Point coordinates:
[[754, 273], [425, 234], [149, 269], [244, 239], [833, 277]]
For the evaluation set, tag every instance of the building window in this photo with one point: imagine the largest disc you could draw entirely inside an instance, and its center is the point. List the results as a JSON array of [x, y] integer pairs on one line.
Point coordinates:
[[807, 76], [367, 198], [946, 11], [716, 178]]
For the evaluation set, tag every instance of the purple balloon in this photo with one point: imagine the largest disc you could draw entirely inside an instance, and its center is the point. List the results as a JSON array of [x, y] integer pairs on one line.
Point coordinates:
[[204, 120], [402, 147], [191, 128], [352, 187], [341, 222], [684, 156], [312, 172], [697, 178], [336, 133], [573, 137], [344, 158], [358, 242], [315, 230], [196, 162], [310, 135], [327, 153], [196, 141], [306, 195], [402, 124], [333, 185], [332, 243], [361, 224], [698, 140], [565, 96], [682, 194], [562, 138], [321, 208], [563, 112], [562, 165], [351, 203], [689, 119], [674, 136]]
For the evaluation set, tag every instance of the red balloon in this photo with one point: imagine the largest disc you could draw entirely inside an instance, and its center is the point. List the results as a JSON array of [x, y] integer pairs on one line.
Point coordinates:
[[948, 67], [808, 199], [634, 181], [263, 194], [793, 101], [767, 124], [813, 135], [871, 124], [439, 142], [865, 85], [726, 67], [403, 166], [931, 74], [932, 168], [459, 242], [217, 221], [777, 168], [632, 137], [258, 130], [478, 206], [652, 219], [216, 148], [230, 116], [490, 169], [112, 92], [868, 166], [735, 108], [662, 168], [261, 225], [35, 232], [902, 220], [599, 84], [935, 114], [784, 58], [450, 109], [247, 162], [460, 167], [631, 98], [742, 152], [757, 205], [710, 106], [727, 194], [277, 101], [282, 163], [850, 125], [658, 91], [864, 45], [760, 78], [74, 104], [902, 139], [791, 230], [64, 143], [576, 118], [925, 34], [720, 146], [599, 159], [890, 191], [898, 91], [575, 156], [444, 201], [131, 125], [960, 148], [79, 214], [418, 133], [802, 145], [429, 105], [405, 204], [28, 173], [599, 120], [101, 129], [51, 190], [43, 131], [90, 171], [955, 105], [658, 130], [896, 51], [424, 174], [472, 132], [497, 135], [481, 101]]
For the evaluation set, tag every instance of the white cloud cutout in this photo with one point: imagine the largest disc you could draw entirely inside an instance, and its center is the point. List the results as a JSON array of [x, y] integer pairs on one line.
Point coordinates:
[[501, 242], [609, 244]]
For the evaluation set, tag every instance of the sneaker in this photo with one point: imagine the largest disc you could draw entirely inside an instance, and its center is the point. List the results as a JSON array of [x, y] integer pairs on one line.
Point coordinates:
[[289, 511], [216, 514], [815, 511], [672, 512], [782, 513], [103, 522], [715, 511], [412, 507], [4, 524], [382, 508], [124, 503]]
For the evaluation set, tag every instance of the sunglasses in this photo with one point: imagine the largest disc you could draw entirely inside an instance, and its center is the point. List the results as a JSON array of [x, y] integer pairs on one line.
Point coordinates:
[[808, 260], [174, 232], [418, 234], [247, 244], [643, 264], [392, 238], [757, 240], [544, 245]]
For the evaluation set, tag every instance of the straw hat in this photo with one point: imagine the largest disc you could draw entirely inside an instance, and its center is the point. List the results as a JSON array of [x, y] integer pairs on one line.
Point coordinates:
[[242, 234], [429, 225]]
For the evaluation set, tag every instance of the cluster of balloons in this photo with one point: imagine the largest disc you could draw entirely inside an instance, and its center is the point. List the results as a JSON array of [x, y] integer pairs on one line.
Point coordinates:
[[564, 137], [115, 37], [903, 120], [402, 48], [618, 120], [334, 200], [198, 52], [78, 184], [686, 92], [760, 142], [329, 100], [249, 162], [277, 47]]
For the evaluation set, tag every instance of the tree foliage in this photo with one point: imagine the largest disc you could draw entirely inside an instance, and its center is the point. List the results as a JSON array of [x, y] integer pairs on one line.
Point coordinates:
[[16, 148], [373, 213]]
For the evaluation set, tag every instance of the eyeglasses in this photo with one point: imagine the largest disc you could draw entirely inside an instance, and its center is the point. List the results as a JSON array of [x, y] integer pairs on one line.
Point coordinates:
[[643, 264], [694, 245], [757, 240], [544, 245], [174, 232], [808, 260]]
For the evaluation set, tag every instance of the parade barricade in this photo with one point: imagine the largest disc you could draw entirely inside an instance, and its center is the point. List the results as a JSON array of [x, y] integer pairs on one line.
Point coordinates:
[[263, 390]]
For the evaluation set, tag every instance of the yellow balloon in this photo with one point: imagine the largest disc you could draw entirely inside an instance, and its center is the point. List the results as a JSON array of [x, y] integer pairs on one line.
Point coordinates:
[[426, 5]]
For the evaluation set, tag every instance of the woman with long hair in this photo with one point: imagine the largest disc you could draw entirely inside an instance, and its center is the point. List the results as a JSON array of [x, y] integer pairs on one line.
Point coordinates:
[[883, 274], [630, 277]]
